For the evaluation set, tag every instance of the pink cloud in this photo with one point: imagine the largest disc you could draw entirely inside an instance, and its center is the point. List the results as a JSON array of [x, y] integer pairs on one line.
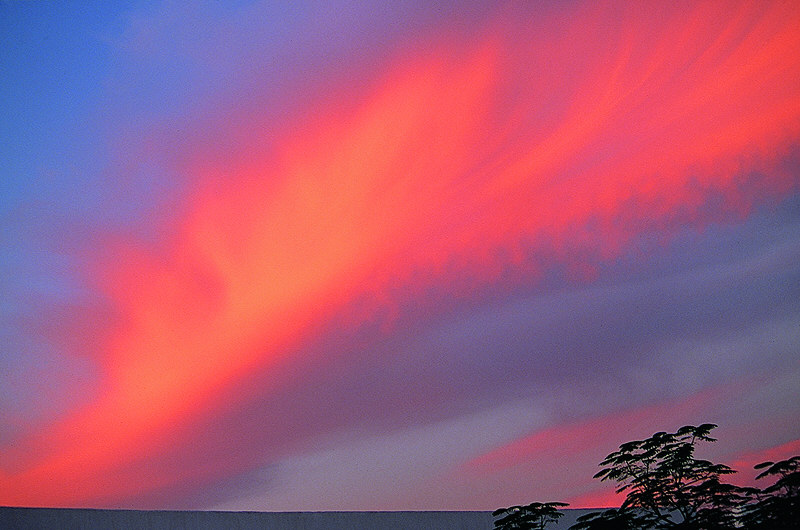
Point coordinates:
[[459, 161]]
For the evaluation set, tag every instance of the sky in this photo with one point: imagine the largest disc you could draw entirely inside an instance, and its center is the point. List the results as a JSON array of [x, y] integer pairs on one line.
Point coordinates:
[[390, 255]]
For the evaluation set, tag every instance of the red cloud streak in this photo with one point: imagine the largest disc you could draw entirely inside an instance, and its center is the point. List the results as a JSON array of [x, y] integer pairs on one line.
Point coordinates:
[[577, 135]]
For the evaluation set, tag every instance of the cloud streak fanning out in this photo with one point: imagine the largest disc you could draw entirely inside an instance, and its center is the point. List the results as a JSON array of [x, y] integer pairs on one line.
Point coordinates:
[[530, 147]]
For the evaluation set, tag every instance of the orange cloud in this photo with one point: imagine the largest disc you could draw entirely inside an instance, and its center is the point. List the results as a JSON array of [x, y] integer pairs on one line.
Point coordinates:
[[461, 159]]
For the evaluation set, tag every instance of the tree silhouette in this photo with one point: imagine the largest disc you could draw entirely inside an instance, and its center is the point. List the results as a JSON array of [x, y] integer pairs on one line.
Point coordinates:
[[535, 515], [611, 519], [667, 487], [777, 506]]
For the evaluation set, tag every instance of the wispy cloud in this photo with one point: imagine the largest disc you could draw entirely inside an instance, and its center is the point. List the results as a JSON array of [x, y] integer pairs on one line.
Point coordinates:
[[386, 249]]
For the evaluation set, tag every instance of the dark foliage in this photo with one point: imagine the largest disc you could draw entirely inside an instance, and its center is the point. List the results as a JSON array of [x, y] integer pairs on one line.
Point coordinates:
[[666, 487], [611, 519], [777, 506], [535, 515]]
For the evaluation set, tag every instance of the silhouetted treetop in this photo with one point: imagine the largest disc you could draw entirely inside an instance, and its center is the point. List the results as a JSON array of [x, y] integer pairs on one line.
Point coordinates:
[[777, 506], [668, 488], [535, 515]]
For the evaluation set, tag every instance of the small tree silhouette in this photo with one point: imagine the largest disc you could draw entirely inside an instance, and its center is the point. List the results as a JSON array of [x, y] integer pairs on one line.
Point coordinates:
[[777, 506], [535, 515], [612, 519], [667, 487]]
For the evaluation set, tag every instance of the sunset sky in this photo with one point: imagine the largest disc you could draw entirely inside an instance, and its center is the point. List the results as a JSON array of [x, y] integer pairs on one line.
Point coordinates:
[[390, 255]]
